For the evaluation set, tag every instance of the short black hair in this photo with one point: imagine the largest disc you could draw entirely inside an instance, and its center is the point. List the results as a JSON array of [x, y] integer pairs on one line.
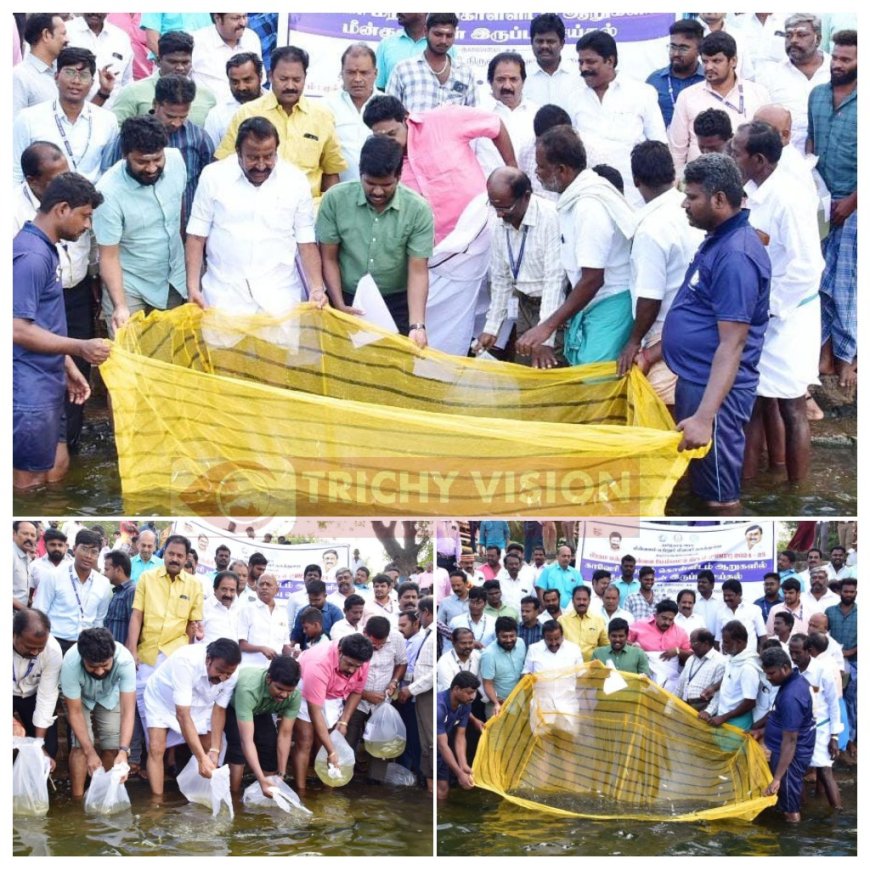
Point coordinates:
[[792, 584], [786, 616], [315, 586], [599, 573], [505, 623], [771, 574], [667, 606], [549, 116], [845, 37], [382, 578], [175, 89], [547, 22], [119, 559], [465, 680], [689, 27], [177, 539], [258, 128], [776, 657], [284, 670], [603, 44], [356, 646], [224, 649], [257, 559], [313, 567], [383, 108], [477, 593], [289, 54], [458, 572], [683, 592], [51, 534], [816, 642], [562, 146], [221, 575], [762, 139], [73, 189], [706, 574], [143, 133], [551, 624], [35, 155], [489, 585], [789, 554], [427, 604], [617, 624], [506, 57], [652, 164], [611, 174], [645, 571], [86, 537], [378, 627], [434, 19], [732, 585], [244, 57], [353, 600], [716, 173], [37, 24], [174, 41], [380, 157], [719, 43], [704, 635], [96, 645], [74, 56], [735, 629], [311, 614], [531, 599]]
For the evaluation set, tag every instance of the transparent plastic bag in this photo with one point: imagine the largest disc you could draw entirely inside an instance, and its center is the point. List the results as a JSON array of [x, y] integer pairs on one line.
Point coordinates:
[[30, 777], [107, 794], [385, 733], [211, 793], [330, 774], [282, 796], [398, 775]]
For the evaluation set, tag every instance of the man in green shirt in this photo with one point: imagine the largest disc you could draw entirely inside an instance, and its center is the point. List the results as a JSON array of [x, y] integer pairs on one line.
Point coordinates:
[[250, 730], [495, 607], [378, 227], [631, 659]]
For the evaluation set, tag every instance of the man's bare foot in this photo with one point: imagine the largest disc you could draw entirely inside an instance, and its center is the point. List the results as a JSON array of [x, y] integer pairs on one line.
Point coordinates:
[[814, 412], [847, 372]]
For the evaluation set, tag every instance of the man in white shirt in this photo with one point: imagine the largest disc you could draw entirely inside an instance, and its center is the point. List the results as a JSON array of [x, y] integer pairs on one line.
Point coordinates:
[[552, 652], [596, 225], [783, 214], [352, 623], [662, 249], [344, 588], [686, 618], [358, 72], [819, 598], [525, 265], [263, 628], [516, 579], [220, 611], [33, 79], [734, 608], [250, 215], [109, 44], [708, 601], [244, 78], [481, 625], [614, 113], [55, 560], [186, 702], [81, 129], [550, 82], [213, 46], [462, 656], [838, 569], [818, 624]]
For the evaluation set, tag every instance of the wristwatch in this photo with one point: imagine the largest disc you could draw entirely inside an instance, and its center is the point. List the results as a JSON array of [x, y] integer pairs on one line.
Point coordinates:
[[414, 326], [124, 749]]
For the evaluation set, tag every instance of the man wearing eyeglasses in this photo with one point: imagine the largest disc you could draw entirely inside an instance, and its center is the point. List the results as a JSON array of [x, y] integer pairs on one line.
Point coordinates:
[[77, 598], [683, 69], [525, 264], [82, 130]]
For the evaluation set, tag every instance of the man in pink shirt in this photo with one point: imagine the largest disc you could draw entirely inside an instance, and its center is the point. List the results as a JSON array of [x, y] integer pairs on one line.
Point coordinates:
[[666, 644], [333, 678]]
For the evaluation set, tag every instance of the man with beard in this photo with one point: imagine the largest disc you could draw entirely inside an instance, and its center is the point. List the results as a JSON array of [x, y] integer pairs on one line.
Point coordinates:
[[98, 678], [215, 47], [137, 228], [186, 702], [36, 663], [820, 597], [245, 76], [76, 597], [625, 657], [501, 664], [843, 622], [683, 69], [433, 78], [145, 559], [56, 555], [249, 250]]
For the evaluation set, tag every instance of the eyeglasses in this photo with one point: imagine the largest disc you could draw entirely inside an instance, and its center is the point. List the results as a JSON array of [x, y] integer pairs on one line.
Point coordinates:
[[680, 49], [503, 209], [89, 551], [76, 75]]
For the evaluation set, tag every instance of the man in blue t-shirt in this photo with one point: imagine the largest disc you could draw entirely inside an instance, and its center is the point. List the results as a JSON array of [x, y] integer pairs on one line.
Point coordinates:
[[42, 368], [789, 732], [453, 711], [715, 328]]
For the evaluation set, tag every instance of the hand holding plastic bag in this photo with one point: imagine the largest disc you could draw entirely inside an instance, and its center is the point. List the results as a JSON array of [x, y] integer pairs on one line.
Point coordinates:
[[331, 774], [282, 796], [211, 793], [107, 793], [30, 777], [385, 733]]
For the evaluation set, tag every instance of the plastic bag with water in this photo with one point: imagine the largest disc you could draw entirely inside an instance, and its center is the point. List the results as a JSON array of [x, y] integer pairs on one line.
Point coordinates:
[[335, 775], [385, 733], [30, 777], [212, 793], [283, 796], [107, 794], [398, 775]]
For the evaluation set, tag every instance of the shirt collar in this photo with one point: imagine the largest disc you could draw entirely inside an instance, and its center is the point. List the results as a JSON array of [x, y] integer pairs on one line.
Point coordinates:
[[270, 101], [733, 223]]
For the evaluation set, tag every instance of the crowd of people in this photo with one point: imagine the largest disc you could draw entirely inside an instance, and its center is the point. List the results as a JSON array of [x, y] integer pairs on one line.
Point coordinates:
[[555, 216], [150, 651], [782, 667]]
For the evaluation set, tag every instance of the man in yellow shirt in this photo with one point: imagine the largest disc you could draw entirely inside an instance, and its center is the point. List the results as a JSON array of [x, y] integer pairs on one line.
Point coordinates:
[[587, 630], [306, 129], [166, 607]]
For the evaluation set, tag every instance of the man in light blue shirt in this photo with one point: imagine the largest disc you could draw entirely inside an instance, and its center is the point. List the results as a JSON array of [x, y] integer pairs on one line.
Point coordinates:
[[408, 42], [501, 664], [561, 575], [145, 559], [98, 679], [138, 227]]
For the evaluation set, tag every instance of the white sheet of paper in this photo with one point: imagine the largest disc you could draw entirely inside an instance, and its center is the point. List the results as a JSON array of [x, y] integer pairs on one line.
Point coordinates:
[[369, 299]]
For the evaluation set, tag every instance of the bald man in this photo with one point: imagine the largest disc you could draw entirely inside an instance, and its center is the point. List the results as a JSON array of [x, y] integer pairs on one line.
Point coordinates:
[[792, 159], [525, 263]]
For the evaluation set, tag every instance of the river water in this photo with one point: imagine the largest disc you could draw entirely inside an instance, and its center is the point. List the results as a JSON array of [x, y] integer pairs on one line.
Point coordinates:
[[357, 820], [93, 487], [481, 823]]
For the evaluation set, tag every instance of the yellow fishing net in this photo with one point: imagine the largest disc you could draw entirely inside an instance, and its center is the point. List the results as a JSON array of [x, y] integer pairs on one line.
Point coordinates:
[[319, 413], [565, 742]]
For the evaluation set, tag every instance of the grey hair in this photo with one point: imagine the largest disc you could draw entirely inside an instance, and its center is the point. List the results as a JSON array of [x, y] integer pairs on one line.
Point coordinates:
[[716, 173], [800, 17]]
